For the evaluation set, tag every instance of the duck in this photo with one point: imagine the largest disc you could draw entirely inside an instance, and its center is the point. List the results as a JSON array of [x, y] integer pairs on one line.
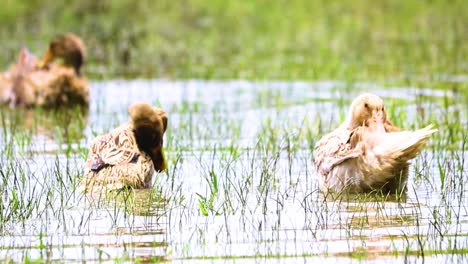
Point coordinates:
[[367, 152], [34, 82], [129, 155]]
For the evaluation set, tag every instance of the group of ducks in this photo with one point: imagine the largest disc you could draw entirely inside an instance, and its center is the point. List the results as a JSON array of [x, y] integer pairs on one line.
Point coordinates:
[[366, 153]]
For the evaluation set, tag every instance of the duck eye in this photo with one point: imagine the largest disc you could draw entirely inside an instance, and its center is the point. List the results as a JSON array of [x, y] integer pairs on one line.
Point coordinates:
[[366, 105]]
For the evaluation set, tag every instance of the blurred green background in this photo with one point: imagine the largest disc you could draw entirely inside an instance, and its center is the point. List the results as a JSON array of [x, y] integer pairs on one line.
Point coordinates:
[[223, 39]]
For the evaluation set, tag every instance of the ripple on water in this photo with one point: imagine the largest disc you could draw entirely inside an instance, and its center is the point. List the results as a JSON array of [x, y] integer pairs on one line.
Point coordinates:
[[240, 182]]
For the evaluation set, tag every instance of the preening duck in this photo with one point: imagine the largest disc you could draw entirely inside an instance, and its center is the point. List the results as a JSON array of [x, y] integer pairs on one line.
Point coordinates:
[[367, 152], [128, 155], [33, 82]]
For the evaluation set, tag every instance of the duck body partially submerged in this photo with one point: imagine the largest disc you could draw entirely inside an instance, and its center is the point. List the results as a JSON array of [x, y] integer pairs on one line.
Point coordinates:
[[367, 152], [128, 155], [114, 161]]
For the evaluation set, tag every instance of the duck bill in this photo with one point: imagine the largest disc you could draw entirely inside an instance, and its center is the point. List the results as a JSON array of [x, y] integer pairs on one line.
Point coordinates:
[[159, 159], [379, 119], [48, 57]]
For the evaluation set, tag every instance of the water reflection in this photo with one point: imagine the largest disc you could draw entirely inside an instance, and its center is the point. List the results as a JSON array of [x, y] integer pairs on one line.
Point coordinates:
[[125, 225], [240, 182], [138, 202]]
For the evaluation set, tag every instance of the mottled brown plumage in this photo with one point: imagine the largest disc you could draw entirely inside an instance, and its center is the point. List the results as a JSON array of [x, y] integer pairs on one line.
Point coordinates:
[[129, 154], [367, 152], [32, 82]]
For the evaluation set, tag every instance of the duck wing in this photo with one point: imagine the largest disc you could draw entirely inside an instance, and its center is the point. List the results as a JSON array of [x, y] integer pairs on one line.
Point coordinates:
[[333, 149], [117, 147], [399, 146]]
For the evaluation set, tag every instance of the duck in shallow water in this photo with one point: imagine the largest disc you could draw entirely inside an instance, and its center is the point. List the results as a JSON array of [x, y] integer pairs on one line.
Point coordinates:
[[33, 82], [367, 152], [128, 155]]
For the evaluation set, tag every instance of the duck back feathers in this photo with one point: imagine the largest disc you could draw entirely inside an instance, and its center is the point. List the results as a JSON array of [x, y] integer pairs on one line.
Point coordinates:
[[114, 161]]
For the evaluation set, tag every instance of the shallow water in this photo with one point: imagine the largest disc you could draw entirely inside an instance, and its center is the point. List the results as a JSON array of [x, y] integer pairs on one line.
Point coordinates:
[[240, 183]]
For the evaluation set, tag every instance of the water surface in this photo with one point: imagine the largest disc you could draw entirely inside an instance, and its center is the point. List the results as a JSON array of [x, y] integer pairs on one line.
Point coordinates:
[[240, 182]]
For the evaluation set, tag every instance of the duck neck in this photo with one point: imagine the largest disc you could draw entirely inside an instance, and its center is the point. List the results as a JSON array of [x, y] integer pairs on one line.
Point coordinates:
[[75, 60], [350, 124]]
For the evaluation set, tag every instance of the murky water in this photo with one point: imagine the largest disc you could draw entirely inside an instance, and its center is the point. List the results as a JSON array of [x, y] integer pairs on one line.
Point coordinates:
[[240, 183]]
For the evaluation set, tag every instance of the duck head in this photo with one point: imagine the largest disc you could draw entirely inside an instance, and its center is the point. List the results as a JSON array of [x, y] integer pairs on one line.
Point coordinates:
[[367, 110], [69, 47], [149, 125]]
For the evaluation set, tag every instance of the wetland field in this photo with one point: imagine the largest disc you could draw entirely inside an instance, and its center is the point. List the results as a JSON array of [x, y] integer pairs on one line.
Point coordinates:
[[249, 89], [240, 182]]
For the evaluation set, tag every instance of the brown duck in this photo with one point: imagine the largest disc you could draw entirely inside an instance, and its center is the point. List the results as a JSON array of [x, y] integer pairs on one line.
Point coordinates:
[[128, 155], [367, 152], [31, 82]]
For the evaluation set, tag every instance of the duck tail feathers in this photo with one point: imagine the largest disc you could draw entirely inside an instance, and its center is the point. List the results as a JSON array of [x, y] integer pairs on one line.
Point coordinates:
[[404, 145]]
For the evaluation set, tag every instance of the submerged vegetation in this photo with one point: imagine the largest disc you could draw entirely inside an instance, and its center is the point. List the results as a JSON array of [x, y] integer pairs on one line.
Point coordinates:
[[240, 182]]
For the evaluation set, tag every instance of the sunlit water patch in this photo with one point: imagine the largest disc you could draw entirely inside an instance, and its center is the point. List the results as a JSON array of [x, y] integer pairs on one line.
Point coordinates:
[[240, 182]]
